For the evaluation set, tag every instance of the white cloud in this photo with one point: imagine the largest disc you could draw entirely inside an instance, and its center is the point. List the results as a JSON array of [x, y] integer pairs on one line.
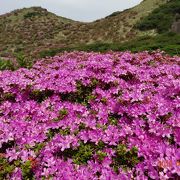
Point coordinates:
[[82, 10]]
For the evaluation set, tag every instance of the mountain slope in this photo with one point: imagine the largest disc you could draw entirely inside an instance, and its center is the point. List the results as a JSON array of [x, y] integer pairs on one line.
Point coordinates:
[[29, 28], [161, 18], [32, 30], [118, 27]]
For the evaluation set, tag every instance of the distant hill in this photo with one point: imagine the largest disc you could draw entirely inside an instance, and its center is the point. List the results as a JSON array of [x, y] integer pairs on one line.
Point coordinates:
[[30, 28], [33, 30]]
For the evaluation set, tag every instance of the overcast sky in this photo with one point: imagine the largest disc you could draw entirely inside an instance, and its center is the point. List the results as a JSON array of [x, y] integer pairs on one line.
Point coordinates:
[[81, 10]]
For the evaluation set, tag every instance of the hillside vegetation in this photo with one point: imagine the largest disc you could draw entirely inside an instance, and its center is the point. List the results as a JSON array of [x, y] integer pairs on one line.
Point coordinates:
[[161, 18], [168, 42], [153, 32], [31, 30]]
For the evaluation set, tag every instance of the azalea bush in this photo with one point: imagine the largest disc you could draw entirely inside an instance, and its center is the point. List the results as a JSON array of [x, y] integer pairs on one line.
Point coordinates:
[[91, 116]]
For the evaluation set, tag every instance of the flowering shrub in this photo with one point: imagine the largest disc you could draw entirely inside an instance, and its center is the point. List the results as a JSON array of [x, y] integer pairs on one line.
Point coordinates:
[[91, 116]]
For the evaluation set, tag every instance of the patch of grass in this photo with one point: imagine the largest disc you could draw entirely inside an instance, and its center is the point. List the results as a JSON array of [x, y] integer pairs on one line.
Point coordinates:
[[23, 61], [6, 65], [20, 61]]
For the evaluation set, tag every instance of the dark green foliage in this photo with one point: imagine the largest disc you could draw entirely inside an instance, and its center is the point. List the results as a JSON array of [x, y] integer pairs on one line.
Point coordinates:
[[144, 117], [63, 113], [125, 158], [5, 168], [52, 132], [112, 120], [83, 94], [31, 15], [23, 61], [100, 145], [83, 154], [82, 126], [8, 167], [36, 148], [97, 47], [7, 97], [6, 65], [104, 100], [27, 172], [40, 96], [53, 52], [103, 127], [49, 53], [80, 155], [168, 42], [101, 155], [161, 18], [64, 132]]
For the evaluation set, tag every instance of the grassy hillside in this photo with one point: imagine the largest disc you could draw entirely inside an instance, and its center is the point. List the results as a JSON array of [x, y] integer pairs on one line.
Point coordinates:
[[153, 31], [161, 18], [29, 28], [32, 30]]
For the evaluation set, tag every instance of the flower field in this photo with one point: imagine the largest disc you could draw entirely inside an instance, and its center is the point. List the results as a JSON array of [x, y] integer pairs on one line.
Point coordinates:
[[113, 116]]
